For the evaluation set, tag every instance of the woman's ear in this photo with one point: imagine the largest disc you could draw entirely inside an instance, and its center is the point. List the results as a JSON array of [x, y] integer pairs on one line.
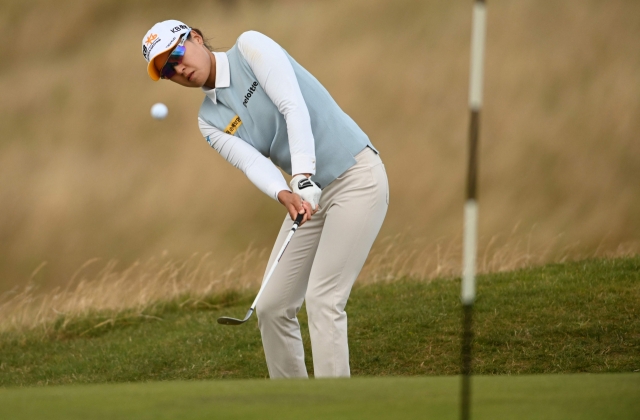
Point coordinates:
[[195, 37]]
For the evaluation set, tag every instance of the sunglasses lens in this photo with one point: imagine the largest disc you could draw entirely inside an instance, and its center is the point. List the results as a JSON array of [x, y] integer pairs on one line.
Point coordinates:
[[168, 71], [175, 58]]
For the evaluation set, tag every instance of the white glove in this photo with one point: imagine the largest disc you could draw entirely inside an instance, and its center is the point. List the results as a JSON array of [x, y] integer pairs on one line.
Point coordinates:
[[308, 190]]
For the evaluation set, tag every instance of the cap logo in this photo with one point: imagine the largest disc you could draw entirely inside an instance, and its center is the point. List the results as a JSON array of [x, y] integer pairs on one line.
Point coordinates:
[[179, 28], [171, 42], [150, 39]]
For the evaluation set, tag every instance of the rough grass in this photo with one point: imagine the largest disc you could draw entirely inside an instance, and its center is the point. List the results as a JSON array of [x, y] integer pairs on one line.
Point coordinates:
[[560, 318], [548, 397]]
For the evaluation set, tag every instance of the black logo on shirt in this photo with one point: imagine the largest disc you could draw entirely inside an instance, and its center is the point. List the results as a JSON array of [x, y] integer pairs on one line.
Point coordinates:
[[250, 92]]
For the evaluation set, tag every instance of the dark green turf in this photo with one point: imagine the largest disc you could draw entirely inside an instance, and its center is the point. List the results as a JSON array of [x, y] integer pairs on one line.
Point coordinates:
[[561, 318], [549, 397]]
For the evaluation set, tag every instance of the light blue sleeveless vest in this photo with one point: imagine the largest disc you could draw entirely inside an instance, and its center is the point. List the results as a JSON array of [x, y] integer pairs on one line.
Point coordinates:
[[337, 137]]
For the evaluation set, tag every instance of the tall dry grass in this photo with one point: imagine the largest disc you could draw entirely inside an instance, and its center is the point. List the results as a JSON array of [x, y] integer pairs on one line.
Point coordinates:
[[86, 173], [137, 289]]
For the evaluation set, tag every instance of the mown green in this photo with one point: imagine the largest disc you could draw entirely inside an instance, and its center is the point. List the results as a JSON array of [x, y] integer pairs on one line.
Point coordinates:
[[560, 318], [549, 397]]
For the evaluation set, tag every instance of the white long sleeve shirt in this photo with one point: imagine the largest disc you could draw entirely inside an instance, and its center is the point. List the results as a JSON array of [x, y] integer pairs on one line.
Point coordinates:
[[277, 78]]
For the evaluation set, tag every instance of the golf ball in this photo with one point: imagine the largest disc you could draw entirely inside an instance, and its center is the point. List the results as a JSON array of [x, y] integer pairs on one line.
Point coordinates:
[[159, 111]]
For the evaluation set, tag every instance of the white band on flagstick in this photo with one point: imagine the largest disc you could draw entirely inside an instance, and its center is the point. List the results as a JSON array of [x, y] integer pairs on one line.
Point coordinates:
[[470, 244], [478, 34]]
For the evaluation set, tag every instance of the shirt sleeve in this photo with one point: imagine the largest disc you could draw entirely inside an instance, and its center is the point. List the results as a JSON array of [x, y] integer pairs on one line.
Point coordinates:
[[260, 170], [275, 74]]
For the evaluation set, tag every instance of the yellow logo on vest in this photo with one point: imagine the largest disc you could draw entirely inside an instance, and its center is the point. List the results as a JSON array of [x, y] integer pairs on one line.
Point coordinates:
[[233, 126]]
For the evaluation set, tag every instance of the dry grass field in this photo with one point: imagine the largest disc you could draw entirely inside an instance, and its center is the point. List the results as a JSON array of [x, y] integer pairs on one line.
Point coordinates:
[[86, 173]]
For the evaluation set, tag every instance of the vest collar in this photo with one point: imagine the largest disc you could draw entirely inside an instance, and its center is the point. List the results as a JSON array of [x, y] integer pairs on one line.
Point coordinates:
[[223, 76]]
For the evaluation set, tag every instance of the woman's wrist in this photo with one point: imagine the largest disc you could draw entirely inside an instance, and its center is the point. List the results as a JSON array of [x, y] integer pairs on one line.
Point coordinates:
[[282, 196]]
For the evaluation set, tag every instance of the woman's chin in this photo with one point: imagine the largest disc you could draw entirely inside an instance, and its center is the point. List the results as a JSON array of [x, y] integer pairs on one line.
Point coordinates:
[[193, 82], [196, 80]]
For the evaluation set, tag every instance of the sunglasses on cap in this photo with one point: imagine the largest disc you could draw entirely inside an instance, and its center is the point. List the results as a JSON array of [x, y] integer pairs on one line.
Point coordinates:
[[175, 58]]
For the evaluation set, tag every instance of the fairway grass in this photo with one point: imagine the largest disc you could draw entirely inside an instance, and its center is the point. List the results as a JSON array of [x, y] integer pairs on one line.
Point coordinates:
[[562, 397]]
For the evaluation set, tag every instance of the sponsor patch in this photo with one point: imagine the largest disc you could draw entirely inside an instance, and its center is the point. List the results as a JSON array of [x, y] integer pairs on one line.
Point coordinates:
[[233, 126]]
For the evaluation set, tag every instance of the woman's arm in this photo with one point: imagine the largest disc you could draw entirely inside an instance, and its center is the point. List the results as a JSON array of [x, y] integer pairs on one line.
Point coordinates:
[[260, 170], [276, 76]]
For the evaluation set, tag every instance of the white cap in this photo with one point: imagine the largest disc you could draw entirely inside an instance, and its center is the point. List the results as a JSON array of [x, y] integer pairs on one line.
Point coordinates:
[[161, 37]]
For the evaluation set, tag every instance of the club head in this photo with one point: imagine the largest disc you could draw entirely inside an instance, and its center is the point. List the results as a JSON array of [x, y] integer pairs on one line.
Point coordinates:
[[225, 320]]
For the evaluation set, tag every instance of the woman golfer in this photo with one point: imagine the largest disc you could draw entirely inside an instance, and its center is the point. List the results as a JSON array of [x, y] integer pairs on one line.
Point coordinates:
[[261, 110]]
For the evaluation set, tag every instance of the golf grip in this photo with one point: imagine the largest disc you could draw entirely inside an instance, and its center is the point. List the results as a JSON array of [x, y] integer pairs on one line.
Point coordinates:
[[296, 223]]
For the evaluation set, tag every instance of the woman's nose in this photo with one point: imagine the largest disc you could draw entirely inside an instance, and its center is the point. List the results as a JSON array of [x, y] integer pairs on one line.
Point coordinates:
[[180, 69]]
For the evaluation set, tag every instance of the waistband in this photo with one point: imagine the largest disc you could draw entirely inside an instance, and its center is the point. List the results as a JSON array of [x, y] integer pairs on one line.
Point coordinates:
[[367, 157]]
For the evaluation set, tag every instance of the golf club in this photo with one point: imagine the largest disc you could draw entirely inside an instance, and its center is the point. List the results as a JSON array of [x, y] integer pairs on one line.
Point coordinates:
[[225, 320]]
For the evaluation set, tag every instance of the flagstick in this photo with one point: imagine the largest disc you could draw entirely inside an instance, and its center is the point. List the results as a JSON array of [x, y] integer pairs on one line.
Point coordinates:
[[468, 292]]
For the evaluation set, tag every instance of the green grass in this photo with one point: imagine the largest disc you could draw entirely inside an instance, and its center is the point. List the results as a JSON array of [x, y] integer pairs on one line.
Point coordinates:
[[562, 397], [561, 318]]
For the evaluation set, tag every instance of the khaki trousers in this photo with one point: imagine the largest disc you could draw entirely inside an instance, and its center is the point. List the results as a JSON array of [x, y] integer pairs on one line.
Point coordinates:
[[320, 265]]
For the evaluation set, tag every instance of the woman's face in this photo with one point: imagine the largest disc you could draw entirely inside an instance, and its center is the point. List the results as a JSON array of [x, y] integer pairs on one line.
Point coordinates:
[[196, 64]]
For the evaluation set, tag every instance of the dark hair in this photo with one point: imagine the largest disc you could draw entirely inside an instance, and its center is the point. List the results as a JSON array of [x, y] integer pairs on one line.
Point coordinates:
[[206, 40]]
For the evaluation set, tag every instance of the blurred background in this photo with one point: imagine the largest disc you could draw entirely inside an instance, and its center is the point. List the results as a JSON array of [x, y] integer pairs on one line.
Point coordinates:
[[85, 172]]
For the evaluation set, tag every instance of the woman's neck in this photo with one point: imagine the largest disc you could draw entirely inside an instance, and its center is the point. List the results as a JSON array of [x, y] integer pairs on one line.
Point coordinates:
[[211, 80]]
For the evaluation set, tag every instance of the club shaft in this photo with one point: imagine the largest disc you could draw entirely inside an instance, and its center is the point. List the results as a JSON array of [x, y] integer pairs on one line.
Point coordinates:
[[275, 263]]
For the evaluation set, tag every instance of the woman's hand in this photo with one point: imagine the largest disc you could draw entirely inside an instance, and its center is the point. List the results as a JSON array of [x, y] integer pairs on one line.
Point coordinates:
[[307, 189], [294, 205]]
